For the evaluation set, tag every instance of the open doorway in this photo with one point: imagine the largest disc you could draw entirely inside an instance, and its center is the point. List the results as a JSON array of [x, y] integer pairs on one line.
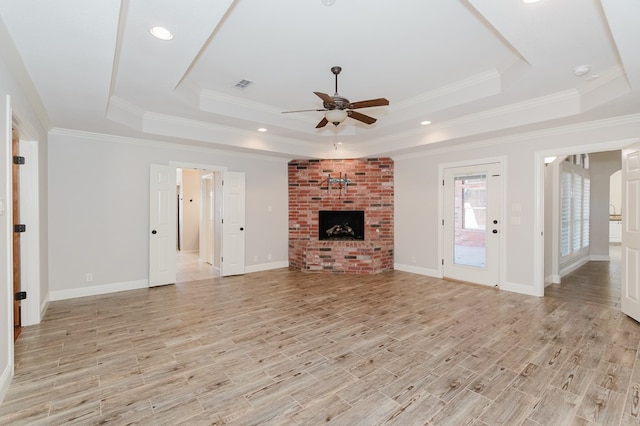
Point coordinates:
[[582, 256], [198, 224]]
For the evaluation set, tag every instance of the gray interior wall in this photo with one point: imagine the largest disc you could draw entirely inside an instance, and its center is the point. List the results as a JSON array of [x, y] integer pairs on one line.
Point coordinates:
[[602, 165], [190, 210], [99, 211], [416, 196]]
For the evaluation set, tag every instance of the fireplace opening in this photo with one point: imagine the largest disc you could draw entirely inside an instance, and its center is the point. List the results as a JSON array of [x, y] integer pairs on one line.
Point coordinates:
[[341, 225]]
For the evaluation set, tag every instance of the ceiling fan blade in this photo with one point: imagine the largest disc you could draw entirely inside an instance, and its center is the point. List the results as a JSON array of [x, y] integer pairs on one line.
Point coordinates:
[[361, 117], [325, 98], [302, 110], [369, 103], [322, 123]]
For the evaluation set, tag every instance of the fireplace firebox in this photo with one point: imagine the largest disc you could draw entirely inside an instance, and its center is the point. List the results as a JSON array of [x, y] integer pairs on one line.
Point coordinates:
[[341, 225]]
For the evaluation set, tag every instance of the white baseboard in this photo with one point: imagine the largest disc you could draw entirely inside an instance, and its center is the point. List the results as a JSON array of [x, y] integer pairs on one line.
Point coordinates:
[[418, 270], [266, 266], [97, 289], [5, 380], [571, 266], [551, 279], [600, 258], [528, 290]]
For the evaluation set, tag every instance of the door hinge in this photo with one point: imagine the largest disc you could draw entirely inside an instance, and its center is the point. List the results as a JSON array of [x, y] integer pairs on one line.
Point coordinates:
[[221, 259], [442, 262], [18, 159], [19, 228], [442, 222], [21, 295]]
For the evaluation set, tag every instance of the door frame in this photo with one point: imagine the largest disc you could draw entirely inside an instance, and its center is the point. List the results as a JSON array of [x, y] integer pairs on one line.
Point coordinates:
[[204, 167], [538, 220], [502, 162], [32, 307]]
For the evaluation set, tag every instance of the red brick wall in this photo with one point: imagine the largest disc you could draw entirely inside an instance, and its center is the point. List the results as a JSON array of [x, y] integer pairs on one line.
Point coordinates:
[[371, 190]]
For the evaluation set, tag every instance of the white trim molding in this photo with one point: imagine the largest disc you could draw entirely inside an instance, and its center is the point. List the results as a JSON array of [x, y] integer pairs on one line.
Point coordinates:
[[97, 290]]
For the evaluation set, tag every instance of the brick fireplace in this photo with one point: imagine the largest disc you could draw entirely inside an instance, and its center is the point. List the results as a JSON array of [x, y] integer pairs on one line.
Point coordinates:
[[369, 188]]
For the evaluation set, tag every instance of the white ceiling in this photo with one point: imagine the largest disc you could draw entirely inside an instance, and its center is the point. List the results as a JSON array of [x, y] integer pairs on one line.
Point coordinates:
[[475, 68]]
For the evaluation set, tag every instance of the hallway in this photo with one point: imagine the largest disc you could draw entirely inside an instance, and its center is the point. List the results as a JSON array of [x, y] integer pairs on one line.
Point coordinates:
[[189, 268], [595, 282]]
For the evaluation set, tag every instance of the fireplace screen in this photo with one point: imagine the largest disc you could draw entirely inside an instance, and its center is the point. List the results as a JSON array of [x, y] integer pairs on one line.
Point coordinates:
[[341, 225]]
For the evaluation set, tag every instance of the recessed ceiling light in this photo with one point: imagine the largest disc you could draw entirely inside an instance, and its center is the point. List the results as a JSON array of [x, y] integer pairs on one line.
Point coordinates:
[[530, 1], [161, 33], [425, 123], [262, 129]]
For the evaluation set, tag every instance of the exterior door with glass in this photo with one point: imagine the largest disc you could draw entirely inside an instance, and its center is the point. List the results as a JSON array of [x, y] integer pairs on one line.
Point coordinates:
[[472, 223]]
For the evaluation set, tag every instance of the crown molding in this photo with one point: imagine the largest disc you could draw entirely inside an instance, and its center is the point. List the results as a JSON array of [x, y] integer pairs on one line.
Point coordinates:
[[536, 134], [491, 76], [103, 137]]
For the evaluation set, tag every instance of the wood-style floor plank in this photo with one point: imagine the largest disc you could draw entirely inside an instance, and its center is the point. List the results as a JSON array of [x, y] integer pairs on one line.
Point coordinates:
[[289, 348]]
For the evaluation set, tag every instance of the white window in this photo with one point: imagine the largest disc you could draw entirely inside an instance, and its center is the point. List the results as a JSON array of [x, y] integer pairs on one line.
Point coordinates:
[[575, 187]]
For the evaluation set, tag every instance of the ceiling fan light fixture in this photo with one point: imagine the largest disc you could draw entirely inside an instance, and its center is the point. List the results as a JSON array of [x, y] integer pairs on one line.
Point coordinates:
[[335, 116]]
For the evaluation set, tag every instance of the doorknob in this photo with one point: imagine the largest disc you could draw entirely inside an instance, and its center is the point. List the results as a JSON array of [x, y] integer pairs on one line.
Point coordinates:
[[242, 229], [495, 231], [154, 232], [495, 222]]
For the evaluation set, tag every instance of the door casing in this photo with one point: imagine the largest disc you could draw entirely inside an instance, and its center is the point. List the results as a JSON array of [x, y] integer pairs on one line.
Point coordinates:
[[538, 228], [490, 274], [501, 162]]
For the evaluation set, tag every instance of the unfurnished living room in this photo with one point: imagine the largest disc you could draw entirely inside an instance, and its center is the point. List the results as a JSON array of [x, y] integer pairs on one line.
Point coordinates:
[[340, 212]]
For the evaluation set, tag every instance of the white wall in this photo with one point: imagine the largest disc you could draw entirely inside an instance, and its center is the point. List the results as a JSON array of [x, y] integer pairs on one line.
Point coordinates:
[[416, 194], [99, 208]]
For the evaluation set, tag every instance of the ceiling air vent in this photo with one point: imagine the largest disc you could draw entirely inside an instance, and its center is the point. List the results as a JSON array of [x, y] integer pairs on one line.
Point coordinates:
[[242, 84]]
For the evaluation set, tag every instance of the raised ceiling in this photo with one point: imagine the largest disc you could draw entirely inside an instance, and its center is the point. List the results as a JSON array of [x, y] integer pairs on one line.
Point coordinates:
[[474, 68]]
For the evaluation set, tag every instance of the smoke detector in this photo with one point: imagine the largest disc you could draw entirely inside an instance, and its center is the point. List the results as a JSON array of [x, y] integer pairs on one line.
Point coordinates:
[[581, 70]]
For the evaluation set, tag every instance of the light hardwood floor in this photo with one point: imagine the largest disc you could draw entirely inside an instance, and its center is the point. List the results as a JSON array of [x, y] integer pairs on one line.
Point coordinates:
[[595, 282], [190, 268], [288, 348]]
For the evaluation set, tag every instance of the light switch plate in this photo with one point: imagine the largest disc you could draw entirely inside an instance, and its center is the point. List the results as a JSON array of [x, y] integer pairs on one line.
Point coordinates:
[[2, 207]]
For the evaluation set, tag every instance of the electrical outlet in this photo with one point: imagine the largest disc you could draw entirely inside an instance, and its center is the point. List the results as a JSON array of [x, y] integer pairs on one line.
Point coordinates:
[[269, 256], [89, 277]]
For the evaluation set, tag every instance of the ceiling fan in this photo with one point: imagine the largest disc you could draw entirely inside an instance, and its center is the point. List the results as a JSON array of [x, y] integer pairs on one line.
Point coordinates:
[[337, 108]]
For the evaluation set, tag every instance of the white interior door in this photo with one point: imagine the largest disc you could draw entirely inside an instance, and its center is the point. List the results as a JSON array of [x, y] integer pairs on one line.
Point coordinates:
[[630, 298], [233, 199], [162, 225], [472, 223]]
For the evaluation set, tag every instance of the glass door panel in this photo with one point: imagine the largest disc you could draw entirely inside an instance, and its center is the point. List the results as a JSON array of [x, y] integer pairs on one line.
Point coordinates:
[[470, 225]]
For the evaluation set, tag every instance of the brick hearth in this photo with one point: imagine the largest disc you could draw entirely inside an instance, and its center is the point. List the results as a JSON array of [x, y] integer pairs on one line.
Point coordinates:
[[371, 190]]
